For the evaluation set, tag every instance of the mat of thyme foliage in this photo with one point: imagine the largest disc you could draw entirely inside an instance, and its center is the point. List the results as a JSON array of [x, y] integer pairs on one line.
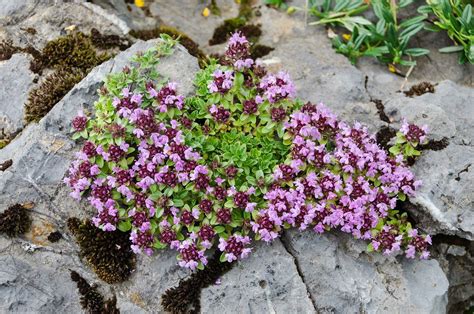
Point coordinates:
[[237, 162]]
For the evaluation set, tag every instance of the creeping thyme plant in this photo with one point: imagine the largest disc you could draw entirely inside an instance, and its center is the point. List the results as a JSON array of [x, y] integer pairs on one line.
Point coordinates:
[[238, 161]]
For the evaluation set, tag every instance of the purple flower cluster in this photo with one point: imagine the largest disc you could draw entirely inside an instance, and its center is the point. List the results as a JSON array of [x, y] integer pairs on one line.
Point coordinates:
[[167, 97], [238, 52], [222, 81], [79, 122], [277, 87], [150, 168], [351, 187], [414, 133]]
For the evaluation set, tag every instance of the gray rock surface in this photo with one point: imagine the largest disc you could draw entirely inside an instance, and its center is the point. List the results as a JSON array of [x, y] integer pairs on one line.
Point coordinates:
[[343, 278], [446, 198], [50, 20], [15, 82], [260, 285]]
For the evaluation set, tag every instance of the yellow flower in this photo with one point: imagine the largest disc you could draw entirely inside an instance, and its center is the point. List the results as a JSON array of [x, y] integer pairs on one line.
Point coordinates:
[[206, 12], [391, 68], [140, 3], [237, 1], [346, 36]]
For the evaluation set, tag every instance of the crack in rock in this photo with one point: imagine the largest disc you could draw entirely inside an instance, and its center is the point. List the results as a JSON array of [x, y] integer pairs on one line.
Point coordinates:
[[466, 169], [286, 242]]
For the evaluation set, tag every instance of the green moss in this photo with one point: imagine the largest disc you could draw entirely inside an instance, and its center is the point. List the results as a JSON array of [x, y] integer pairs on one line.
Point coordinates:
[[245, 9], [185, 40], [108, 253], [229, 26], [214, 8], [15, 220], [72, 51], [223, 31], [51, 90], [91, 300]]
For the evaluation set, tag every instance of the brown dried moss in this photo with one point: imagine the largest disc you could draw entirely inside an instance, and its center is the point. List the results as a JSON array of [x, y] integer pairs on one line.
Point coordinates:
[[420, 89], [259, 51], [55, 236], [186, 297], [108, 253], [108, 41], [384, 135], [51, 90], [15, 221], [91, 300], [6, 164]]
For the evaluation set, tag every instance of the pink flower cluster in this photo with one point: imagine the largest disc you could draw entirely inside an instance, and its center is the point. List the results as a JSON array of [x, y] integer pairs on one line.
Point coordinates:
[[351, 187], [145, 171], [222, 83], [277, 87], [414, 133]]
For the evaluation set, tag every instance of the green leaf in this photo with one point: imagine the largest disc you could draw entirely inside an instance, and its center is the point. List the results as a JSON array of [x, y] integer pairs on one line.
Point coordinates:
[[222, 258], [219, 229], [414, 20], [394, 150], [411, 30], [158, 245], [467, 15], [451, 49], [370, 247], [178, 203], [124, 225], [416, 52]]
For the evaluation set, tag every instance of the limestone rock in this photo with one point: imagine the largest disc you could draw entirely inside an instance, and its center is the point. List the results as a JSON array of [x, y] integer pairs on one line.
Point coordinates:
[[16, 80]]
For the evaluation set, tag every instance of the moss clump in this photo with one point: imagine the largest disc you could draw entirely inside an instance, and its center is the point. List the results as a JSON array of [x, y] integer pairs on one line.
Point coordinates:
[[420, 89], [223, 31], [7, 50], [384, 135], [91, 300], [229, 26], [259, 51], [72, 51], [108, 41], [185, 298], [6, 164], [55, 236], [15, 221], [108, 253], [214, 8], [245, 9], [185, 40], [42, 98]]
